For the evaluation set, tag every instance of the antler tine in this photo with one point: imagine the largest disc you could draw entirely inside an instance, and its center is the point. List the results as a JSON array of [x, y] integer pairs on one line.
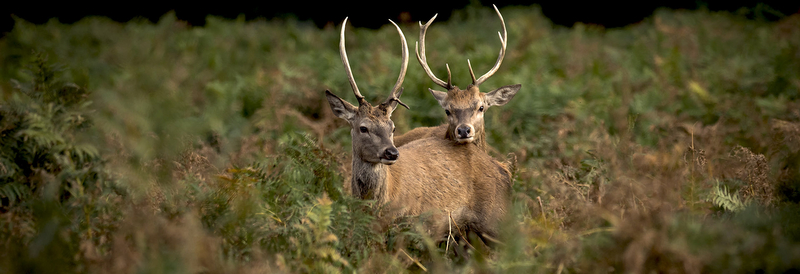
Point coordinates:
[[449, 76], [423, 60], [343, 54], [403, 67], [471, 73], [503, 41]]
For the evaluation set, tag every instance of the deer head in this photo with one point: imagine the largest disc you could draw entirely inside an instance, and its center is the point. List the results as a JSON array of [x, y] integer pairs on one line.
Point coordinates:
[[465, 108], [371, 127]]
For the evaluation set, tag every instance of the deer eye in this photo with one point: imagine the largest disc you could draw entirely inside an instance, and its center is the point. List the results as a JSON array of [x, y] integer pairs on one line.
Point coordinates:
[[480, 109], [363, 129], [447, 112]]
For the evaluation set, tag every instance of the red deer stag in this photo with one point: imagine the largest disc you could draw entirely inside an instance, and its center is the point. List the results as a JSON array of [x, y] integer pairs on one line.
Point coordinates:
[[464, 108], [454, 182]]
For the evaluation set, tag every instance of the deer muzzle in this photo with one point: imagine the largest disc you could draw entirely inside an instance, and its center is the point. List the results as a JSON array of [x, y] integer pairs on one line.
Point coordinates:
[[465, 133], [390, 156]]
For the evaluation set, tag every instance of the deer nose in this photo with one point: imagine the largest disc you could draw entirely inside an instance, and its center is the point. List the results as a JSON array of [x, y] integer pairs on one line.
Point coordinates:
[[463, 131], [391, 154]]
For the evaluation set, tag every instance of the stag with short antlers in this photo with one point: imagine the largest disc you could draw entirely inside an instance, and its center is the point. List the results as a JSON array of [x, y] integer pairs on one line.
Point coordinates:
[[460, 185], [464, 108]]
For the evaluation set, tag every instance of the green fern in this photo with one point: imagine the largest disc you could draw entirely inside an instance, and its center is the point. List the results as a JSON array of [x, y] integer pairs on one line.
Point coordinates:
[[720, 196], [39, 128], [47, 177], [293, 205], [317, 244], [14, 192]]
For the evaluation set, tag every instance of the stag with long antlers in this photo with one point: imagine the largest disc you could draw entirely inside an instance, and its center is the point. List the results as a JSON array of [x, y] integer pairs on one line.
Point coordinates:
[[458, 184], [464, 108]]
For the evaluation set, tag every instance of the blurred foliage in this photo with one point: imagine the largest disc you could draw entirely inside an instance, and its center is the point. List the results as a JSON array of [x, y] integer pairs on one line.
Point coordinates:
[[670, 145]]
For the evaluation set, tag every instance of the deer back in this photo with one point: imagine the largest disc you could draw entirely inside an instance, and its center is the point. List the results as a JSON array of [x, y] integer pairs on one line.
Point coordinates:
[[461, 180], [420, 133]]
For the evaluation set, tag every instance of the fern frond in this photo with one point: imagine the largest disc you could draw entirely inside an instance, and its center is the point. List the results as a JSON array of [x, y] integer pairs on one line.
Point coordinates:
[[42, 139], [14, 192], [720, 196], [7, 167], [82, 152]]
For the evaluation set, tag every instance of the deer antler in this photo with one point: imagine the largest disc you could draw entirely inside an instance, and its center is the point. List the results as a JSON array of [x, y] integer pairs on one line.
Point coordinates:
[[343, 54], [503, 41], [423, 60], [397, 90]]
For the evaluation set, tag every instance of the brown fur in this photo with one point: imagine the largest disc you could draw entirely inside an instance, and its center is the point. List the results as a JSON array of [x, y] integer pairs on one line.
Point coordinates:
[[420, 133], [438, 175]]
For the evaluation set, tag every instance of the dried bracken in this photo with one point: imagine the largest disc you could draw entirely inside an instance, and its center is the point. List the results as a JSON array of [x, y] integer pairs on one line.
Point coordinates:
[[754, 172], [787, 134]]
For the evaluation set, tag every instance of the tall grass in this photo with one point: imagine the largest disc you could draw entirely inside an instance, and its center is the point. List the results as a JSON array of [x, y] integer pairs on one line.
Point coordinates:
[[669, 145]]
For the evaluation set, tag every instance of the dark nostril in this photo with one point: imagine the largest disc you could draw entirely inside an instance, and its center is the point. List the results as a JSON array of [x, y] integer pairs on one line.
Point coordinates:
[[463, 132], [468, 130], [391, 153]]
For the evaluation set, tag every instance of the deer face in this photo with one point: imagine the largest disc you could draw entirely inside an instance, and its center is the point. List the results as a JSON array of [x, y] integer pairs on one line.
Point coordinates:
[[371, 128], [465, 109]]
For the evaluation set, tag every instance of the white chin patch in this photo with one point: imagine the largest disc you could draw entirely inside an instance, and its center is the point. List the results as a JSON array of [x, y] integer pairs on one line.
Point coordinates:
[[387, 161], [465, 140]]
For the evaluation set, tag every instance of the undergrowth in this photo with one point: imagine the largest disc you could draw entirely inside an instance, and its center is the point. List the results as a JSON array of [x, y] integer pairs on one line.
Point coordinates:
[[670, 145]]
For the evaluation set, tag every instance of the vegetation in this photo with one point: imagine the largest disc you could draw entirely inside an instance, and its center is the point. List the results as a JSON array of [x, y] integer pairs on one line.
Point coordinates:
[[670, 145]]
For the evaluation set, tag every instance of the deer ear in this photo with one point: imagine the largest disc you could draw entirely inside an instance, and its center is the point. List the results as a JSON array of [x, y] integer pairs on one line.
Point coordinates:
[[501, 96], [341, 108], [439, 95]]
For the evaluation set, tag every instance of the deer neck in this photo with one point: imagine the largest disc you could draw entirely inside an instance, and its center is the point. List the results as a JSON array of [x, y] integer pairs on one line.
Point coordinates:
[[369, 180]]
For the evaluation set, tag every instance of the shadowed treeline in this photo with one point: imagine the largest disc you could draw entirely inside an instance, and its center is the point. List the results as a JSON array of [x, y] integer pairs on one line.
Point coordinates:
[[565, 13]]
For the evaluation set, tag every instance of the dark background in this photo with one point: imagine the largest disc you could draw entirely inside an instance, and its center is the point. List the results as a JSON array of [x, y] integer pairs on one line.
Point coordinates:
[[373, 14]]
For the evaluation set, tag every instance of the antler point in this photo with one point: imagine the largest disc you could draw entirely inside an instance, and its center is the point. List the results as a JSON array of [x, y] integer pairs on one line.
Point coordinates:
[[401, 103]]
